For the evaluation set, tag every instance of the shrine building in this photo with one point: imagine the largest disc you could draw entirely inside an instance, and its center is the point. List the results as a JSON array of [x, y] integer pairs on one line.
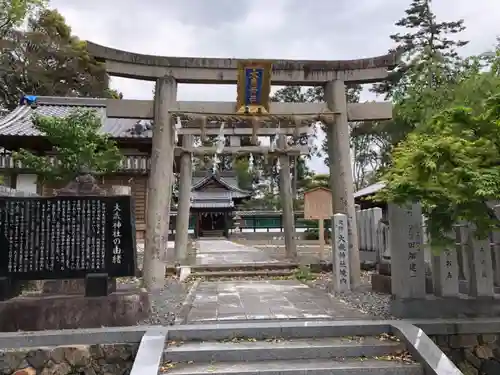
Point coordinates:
[[214, 195]]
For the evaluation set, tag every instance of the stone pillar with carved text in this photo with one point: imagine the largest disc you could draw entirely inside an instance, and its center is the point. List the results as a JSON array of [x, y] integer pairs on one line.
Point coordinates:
[[481, 282], [407, 259], [160, 184], [341, 181], [184, 203], [445, 271], [287, 200], [340, 254]]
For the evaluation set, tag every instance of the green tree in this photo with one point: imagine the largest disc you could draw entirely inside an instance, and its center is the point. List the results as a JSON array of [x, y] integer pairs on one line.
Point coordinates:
[[362, 144], [451, 163], [79, 146], [46, 59], [317, 180], [429, 60], [14, 12], [428, 54], [245, 176]]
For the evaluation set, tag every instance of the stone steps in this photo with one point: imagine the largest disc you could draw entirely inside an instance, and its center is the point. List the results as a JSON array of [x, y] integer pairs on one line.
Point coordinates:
[[251, 268], [244, 266], [273, 349], [314, 348], [300, 367], [212, 234], [247, 273]]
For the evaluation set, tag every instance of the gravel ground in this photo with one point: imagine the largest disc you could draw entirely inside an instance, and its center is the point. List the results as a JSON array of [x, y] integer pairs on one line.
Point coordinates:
[[375, 304], [166, 303]]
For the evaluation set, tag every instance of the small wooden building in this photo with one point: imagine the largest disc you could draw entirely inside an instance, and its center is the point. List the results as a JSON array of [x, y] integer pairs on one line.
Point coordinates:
[[214, 197]]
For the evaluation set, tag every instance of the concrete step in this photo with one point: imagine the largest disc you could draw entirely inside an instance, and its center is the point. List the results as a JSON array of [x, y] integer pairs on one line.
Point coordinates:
[[285, 266], [284, 329], [244, 273], [244, 266], [212, 234], [279, 349], [353, 366]]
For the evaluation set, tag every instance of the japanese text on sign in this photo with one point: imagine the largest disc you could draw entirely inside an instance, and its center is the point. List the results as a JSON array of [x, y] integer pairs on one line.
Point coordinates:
[[117, 234], [341, 252], [62, 237]]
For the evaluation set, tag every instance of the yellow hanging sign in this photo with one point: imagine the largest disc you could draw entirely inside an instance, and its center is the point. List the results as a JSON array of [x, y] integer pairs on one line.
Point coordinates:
[[254, 87]]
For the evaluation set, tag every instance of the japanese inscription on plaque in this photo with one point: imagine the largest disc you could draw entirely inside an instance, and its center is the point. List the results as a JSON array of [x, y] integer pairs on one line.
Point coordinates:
[[448, 263], [66, 237], [446, 280], [341, 253], [482, 281], [254, 86], [482, 260], [407, 255], [414, 244]]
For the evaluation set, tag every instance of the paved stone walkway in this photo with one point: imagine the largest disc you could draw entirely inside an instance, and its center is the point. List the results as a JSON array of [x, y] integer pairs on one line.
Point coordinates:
[[218, 252], [265, 300]]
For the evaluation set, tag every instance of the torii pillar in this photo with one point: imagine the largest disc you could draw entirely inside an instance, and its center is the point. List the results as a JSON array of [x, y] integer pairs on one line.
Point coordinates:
[[160, 184], [184, 204], [341, 180], [287, 200]]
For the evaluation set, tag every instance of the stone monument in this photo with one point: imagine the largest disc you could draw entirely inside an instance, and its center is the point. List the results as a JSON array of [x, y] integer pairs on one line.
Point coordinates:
[[82, 235]]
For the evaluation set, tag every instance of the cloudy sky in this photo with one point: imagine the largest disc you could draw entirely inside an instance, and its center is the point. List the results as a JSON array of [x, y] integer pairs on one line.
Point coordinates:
[[287, 29]]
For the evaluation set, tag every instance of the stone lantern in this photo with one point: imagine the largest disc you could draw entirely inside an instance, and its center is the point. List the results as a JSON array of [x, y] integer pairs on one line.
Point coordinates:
[[237, 223]]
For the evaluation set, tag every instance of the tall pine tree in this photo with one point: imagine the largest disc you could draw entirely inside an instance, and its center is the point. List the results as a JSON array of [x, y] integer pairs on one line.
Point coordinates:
[[429, 56], [429, 60]]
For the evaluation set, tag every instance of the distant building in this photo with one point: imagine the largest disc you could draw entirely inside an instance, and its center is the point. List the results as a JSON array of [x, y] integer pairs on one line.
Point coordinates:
[[363, 197]]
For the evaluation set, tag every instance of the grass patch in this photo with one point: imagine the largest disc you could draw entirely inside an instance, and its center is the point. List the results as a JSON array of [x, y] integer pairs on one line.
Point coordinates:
[[303, 273]]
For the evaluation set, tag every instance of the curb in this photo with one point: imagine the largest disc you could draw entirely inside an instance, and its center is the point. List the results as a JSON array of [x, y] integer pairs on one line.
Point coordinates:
[[187, 304]]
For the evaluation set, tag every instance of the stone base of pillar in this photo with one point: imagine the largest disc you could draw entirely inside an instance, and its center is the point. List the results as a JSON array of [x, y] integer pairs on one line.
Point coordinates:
[[433, 307], [382, 284]]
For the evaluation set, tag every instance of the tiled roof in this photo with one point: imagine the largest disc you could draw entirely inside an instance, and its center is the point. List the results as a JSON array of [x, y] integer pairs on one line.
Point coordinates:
[[19, 121], [230, 183], [216, 194], [212, 203], [214, 198], [369, 190]]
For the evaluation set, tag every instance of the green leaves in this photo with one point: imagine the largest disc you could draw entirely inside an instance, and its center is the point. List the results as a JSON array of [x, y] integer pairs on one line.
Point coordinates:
[[46, 59], [79, 145], [451, 165], [14, 12]]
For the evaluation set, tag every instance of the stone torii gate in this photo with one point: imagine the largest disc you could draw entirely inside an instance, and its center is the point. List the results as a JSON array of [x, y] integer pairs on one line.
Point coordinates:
[[199, 117]]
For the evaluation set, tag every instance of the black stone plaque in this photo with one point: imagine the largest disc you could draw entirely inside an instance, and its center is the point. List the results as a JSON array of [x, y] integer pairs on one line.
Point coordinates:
[[66, 237]]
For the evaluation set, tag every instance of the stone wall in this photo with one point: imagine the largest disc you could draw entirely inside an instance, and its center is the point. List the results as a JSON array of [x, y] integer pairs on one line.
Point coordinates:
[[102, 359], [473, 354]]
